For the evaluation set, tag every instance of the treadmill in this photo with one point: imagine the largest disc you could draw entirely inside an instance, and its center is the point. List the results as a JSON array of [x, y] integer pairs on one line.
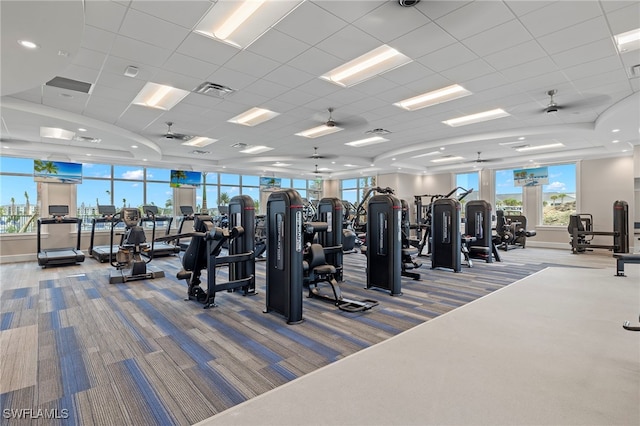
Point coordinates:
[[103, 253], [59, 256], [158, 248]]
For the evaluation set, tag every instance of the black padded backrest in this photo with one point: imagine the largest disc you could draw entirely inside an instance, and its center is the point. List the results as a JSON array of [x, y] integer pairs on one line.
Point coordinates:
[[316, 256], [195, 256], [500, 222], [186, 210], [575, 223]]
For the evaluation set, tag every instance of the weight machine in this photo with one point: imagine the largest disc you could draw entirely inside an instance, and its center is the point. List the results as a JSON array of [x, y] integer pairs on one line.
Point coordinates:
[[581, 231]]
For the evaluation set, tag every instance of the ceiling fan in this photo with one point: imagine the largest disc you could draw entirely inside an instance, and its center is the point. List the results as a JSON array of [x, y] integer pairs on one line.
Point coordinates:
[[318, 156], [481, 160], [172, 135], [346, 121], [593, 101]]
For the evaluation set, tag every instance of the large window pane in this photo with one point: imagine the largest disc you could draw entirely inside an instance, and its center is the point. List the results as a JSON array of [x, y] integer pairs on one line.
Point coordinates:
[[127, 194], [300, 184], [226, 179], [508, 196], [559, 196], [211, 199], [161, 195], [91, 193], [162, 175], [285, 183], [16, 165], [254, 193], [128, 172], [468, 181], [90, 170], [250, 181], [19, 203]]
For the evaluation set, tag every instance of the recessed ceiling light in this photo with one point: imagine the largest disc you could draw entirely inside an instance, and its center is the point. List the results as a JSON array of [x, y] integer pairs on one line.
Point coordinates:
[[241, 23], [615, 130], [256, 149], [444, 159], [318, 131], [88, 155], [629, 40], [375, 62], [442, 148], [538, 147], [56, 133], [393, 159], [521, 138], [144, 159], [199, 141], [28, 44], [134, 146], [159, 96], [253, 117], [435, 97], [82, 129], [351, 165], [615, 141], [368, 141], [279, 164], [477, 118]]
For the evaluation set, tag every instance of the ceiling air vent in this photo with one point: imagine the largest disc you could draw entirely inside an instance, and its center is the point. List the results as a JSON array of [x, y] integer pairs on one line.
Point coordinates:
[[377, 132], [69, 84], [86, 139], [213, 89], [200, 152], [239, 145]]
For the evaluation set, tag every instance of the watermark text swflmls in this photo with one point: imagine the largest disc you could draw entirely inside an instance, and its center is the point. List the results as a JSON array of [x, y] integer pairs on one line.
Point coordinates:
[[35, 413]]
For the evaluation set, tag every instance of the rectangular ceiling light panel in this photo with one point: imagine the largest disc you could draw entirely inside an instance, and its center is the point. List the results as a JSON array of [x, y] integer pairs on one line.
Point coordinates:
[[376, 62], [426, 154], [318, 131], [240, 23], [538, 147], [253, 117], [199, 141], [433, 98], [477, 118], [56, 133], [367, 141], [445, 159], [628, 41], [256, 149], [159, 96]]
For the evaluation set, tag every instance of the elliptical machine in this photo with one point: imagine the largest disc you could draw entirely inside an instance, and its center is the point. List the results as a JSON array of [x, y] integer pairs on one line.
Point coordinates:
[[128, 260]]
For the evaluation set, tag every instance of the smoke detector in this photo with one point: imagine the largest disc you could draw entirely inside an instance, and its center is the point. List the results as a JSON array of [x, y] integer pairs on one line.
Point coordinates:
[[408, 3]]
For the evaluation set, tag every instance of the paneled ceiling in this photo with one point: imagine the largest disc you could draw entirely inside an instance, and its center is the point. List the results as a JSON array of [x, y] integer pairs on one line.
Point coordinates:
[[508, 54]]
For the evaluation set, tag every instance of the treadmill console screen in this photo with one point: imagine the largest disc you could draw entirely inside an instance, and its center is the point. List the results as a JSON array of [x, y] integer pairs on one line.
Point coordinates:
[[130, 217]]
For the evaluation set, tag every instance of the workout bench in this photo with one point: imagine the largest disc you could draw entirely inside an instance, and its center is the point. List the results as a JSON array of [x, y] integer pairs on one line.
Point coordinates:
[[622, 258]]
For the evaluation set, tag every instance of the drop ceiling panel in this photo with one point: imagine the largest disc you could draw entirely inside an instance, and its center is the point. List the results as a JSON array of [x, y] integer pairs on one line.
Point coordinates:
[[498, 38], [119, 81], [79, 73], [151, 30], [516, 55], [97, 39], [448, 57], [575, 36], [252, 64], [520, 7], [348, 43], [530, 69], [186, 13], [351, 10], [474, 18], [104, 14], [468, 71], [89, 58], [310, 24], [138, 52], [207, 49], [583, 54], [597, 67], [625, 19], [289, 76], [107, 110], [423, 40], [137, 118], [375, 22], [315, 61], [559, 15], [267, 89], [278, 46], [187, 65], [117, 66]]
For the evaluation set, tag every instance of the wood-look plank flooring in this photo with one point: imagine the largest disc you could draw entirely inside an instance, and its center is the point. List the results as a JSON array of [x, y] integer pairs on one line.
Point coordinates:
[[77, 347]]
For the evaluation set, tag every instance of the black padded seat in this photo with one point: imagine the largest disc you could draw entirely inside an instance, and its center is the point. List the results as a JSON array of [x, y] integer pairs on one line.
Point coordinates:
[[324, 269]]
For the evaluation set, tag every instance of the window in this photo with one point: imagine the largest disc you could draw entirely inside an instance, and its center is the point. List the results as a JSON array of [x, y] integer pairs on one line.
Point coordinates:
[[20, 197], [559, 195], [508, 196], [468, 181]]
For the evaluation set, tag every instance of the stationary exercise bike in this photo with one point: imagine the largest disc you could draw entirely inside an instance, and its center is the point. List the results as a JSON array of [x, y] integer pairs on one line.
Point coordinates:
[[128, 260]]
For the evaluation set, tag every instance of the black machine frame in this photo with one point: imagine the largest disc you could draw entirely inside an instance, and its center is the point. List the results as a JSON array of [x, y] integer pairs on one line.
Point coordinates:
[[581, 231], [59, 256], [102, 253]]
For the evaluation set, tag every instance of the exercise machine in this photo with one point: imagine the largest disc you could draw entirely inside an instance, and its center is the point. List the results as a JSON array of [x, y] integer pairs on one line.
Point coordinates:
[[581, 231], [158, 248], [128, 260], [261, 237], [512, 231], [424, 216], [102, 253], [445, 231], [317, 269], [284, 272], [409, 253], [478, 226], [621, 259], [204, 253], [187, 216], [384, 243], [59, 214]]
